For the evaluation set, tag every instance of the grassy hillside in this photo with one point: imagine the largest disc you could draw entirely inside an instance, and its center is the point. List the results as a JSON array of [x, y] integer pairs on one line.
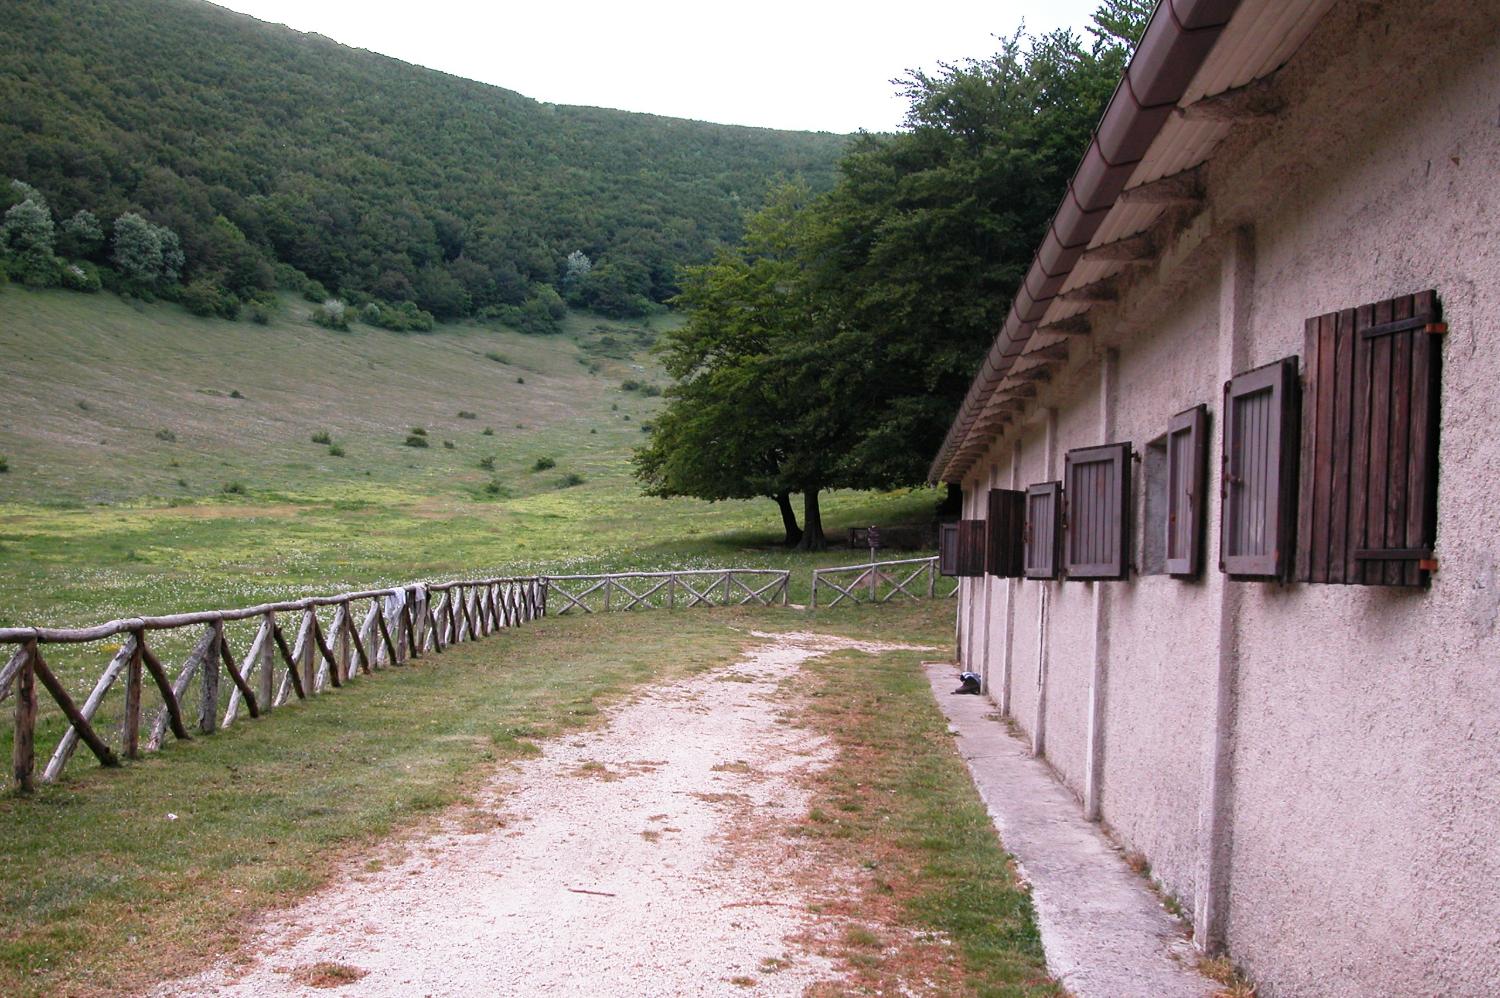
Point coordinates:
[[366, 173], [121, 434]]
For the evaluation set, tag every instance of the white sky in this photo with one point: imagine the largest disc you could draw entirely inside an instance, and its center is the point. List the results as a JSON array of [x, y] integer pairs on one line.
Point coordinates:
[[779, 63]]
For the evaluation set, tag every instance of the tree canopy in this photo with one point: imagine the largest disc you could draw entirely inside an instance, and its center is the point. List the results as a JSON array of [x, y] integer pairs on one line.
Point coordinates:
[[849, 323]]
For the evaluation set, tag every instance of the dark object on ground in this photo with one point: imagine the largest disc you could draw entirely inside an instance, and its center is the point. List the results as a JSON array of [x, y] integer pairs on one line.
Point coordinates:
[[968, 683]]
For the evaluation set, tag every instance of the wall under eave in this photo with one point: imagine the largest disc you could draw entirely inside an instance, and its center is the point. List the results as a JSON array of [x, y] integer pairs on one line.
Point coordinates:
[[1349, 842]]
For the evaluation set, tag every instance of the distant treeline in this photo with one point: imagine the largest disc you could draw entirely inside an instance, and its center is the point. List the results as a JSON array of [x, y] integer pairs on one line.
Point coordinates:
[[254, 145]]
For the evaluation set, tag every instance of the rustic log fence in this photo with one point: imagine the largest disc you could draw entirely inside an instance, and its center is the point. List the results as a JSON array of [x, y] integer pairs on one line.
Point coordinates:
[[882, 582], [667, 590], [398, 625]]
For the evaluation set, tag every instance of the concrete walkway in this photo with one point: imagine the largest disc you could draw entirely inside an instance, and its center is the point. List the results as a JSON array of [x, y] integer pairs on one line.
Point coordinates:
[[1105, 933]]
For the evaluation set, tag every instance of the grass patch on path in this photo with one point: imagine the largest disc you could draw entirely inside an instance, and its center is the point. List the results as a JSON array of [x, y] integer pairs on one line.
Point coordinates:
[[120, 878], [898, 803]]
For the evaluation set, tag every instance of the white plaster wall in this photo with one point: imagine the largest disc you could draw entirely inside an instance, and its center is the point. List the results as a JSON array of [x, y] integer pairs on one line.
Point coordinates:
[[1363, 813]]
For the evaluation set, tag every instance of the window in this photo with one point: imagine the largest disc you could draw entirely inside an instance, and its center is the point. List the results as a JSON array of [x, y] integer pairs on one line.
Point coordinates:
[[1153, 559], [1186, 454], [1043, 533], [947, 549], [970, 548], [1369, 461], [1259, 483], [1007, 533], [1096, 535]]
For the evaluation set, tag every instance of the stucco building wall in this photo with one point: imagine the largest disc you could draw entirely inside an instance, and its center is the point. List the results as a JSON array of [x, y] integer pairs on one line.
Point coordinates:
[[1357, 846]]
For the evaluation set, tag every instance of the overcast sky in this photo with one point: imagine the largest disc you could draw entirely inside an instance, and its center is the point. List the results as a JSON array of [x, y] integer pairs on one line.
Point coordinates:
[[779, 63]]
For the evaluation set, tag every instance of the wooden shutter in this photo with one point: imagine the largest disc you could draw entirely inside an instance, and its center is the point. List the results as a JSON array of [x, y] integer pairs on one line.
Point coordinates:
[[1043, 530], [1006, 552], [1187, 465], [1259, 474], [1369, 461], [947, 549], [1096, 535], [970, 548]]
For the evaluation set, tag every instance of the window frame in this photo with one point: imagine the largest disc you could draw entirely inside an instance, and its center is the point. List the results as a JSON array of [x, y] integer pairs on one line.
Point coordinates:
[[1187, 492], [1050, 495], [1005, 548], [948, 549]]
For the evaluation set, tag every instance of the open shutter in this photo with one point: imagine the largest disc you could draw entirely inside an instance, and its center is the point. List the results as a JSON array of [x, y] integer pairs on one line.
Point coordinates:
[[970, 548], [1259, 477], [1187, 465], [1043, 530], [1006, 552], [1096, 538], [947, 549], [1370, 424]]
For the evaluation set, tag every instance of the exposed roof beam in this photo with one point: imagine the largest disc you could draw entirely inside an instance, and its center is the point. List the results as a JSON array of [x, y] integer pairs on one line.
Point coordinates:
[[1097, 293], [1047, 354], [1132, 249], [1253, 100], [1073, 325], [1184, 187], [1014, 392]]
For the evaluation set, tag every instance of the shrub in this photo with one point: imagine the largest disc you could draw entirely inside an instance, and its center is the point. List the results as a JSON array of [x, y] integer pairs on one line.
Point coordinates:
[[80, 277], [466, 414], [520, 381], [314, 292], [630, 386], [332, 314], [403, 318], [235, 394], [4, 464], [207, 299], [543, 463], [488, 431], [569, 480], [234, 488], [261, 312], [322, 437], [487, 463], [417, 431], [448, 445], [651, 391], [494, 487], [498, 358], [415, 441], [335, 450], [167, 435]]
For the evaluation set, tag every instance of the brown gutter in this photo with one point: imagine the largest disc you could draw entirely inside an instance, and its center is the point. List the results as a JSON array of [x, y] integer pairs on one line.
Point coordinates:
[[1172, 49]]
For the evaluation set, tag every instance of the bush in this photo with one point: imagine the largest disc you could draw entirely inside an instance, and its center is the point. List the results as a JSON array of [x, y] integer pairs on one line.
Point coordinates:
[[494, 487], [322, 437], [497, 357], [630, 386], [487, 463], [234, 488], [488, 431], [403, 318], [167, 435], [448, 445], [332, 314], [520, 381], [416, 441], [466, 414], [314, 292], [543, 463], [569, 480], [417, 431], [261, 312], [206, 298], [80, 277], [335, 450], [4, 464], [235, 394]]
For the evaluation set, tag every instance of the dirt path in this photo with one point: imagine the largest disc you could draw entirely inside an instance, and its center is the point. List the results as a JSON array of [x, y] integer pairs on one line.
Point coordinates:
[[646, 857]]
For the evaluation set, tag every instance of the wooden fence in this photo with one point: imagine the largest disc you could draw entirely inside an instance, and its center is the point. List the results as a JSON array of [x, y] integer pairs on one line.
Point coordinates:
[[663, 590], [882, 582], [399, 624]]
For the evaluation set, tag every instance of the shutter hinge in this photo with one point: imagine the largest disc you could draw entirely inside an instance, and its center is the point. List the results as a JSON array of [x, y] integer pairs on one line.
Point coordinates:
[[1428, 564], [1435, 329]]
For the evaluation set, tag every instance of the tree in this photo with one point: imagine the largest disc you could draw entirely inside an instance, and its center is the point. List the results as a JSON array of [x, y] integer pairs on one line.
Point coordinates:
[[82, 236], [146, 255], [27, 237]]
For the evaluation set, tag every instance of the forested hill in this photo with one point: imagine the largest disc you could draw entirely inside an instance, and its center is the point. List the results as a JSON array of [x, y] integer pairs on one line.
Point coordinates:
[[365, 173]]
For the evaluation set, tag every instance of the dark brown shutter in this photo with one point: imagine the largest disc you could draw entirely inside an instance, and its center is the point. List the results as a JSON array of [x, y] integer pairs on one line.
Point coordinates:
[[1006, 552], [1369, 465], [1259, 475], [970, 548], [1096, 536], [947, 549], [1187, 467], [1043, 530]]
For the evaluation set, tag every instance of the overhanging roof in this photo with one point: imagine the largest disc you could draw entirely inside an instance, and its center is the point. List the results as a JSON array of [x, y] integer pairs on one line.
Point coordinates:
[[1192, 75]]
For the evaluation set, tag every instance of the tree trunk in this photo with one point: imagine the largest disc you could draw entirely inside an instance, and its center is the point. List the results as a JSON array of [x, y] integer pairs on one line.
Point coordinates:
[[788, 519], [812, 523]]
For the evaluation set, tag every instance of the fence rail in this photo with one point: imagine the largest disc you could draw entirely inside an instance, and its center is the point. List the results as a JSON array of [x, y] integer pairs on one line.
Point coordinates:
[[664, 590], [882, 582], [399, 624]]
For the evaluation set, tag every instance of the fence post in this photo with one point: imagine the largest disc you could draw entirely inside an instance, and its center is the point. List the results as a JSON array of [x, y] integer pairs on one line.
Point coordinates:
[[874, 582], [786, 581], [728, 575], [816, 576], [268, 665], [208, 679], [932, 578], [23, 750], [607, 580], [672, 591], [130, 733]]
